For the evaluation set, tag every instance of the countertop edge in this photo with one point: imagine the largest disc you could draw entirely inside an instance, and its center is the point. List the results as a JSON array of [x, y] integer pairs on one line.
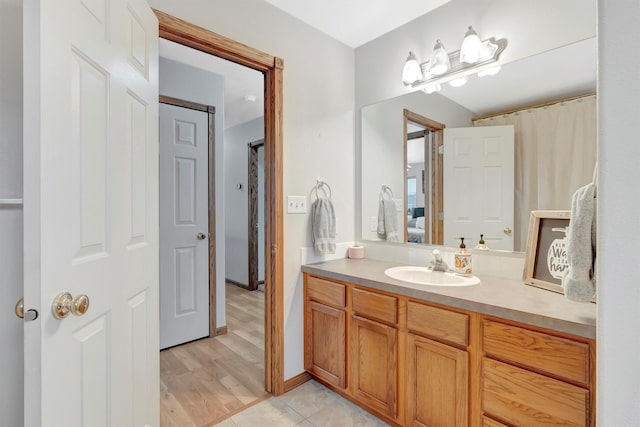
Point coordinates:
[[581, 329]]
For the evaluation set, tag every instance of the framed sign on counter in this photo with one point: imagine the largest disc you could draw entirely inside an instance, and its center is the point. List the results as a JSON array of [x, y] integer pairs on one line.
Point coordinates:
[[546, 255]]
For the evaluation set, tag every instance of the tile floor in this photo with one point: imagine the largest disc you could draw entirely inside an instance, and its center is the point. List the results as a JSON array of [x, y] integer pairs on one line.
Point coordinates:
[[308, 405]]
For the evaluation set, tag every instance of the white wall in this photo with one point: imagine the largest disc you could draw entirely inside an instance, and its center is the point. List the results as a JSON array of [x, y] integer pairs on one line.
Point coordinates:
[[196, 85], [618, 371], [11, 336], [236, 201], [318, 125]]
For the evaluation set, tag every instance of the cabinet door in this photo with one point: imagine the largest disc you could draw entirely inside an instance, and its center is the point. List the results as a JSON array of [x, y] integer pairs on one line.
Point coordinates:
[[437, 384], [325, 341], [374, 365]]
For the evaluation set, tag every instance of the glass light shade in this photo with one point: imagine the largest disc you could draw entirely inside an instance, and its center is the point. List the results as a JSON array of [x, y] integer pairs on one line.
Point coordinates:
[[460, 81], [411, 72], [439, 60], [471, 49], [489, 71], [434, 87]]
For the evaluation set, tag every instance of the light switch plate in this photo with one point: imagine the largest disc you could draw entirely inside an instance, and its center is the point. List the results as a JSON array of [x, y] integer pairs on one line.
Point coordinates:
[[296, 204]]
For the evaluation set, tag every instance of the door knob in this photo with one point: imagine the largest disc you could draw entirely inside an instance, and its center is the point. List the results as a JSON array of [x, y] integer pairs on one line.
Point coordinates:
[[30, 314], [64, 304], [507, 231], [201, 236]]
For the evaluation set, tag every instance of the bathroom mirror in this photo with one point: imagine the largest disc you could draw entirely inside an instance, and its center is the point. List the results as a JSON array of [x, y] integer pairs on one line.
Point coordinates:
[[388, 142]]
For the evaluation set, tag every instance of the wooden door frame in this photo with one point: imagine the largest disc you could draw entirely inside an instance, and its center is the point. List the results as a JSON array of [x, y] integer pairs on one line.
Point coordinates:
[[193, 36], [253, 220], [210, 110], [437, 129]]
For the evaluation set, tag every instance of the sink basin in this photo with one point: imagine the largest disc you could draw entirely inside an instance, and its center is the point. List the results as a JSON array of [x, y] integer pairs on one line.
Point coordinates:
[[424, 276]]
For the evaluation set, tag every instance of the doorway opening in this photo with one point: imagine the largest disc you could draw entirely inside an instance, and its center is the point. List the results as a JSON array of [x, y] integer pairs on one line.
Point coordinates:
[[186, 34], [255, 233], [423, 179]]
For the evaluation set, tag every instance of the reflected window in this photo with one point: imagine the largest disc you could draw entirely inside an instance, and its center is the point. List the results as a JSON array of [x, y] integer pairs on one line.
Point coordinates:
[[412, 193]]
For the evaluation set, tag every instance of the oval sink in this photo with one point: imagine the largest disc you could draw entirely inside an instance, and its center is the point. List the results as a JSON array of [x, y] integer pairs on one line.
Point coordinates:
[[424, 276]]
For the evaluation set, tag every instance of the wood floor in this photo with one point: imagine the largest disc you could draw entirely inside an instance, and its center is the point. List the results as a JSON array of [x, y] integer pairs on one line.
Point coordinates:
[[206, 381]]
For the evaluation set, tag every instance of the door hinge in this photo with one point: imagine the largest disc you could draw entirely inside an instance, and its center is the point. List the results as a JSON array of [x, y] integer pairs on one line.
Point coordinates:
[[440, 216], [441, 150]]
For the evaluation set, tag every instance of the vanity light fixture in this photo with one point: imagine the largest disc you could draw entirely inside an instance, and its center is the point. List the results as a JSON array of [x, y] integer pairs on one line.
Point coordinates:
[[474, 57]]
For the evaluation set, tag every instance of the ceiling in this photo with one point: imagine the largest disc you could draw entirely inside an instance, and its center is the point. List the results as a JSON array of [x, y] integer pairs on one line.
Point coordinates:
[[356, 22]]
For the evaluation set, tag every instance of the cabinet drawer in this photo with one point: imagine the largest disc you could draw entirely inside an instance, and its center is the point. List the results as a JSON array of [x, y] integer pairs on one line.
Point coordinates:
[[523, 398], [326, 292], [438, 323], [488, 422], [556, 356], [375, 306]]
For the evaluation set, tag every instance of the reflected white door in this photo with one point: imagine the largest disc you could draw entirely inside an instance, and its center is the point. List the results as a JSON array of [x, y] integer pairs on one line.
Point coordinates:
[[478, 186], [91, 212], [184, 225]]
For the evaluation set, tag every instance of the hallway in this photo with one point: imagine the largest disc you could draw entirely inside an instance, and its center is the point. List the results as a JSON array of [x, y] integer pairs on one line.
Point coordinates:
[[208, 380]]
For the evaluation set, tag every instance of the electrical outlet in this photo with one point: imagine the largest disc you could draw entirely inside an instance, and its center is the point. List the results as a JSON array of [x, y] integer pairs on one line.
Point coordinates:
[[374, 223], [296, 204]]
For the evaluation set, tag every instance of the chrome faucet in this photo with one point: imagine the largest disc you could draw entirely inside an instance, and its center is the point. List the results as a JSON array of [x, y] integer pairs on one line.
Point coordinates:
[[437, 264]]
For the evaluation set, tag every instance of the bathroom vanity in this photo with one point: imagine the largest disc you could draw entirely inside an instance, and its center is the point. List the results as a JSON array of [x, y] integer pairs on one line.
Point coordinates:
[[495, 354]]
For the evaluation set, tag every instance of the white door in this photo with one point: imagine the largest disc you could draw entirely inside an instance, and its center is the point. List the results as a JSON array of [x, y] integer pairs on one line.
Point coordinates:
[[91, 211], [478, 186], [184, 225]]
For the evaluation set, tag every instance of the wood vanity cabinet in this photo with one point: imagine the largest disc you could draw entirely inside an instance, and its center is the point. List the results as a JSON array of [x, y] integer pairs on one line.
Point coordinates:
[[416, 363], [325, 330]]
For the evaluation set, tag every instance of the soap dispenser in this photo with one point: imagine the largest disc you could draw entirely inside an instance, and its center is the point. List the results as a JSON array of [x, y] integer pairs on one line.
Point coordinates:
[[462, 260], [481, 244]]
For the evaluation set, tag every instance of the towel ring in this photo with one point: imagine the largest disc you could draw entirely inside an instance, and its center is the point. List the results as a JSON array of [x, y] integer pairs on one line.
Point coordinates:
[[320, 184], [385, 190]]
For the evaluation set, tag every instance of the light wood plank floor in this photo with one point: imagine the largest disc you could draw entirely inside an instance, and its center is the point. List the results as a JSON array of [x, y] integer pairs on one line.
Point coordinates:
[[206, 381]]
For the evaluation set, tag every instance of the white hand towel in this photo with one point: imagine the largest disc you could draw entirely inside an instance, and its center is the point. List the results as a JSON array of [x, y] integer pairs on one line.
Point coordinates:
[[323, 226], [579, 282], [388, 220]]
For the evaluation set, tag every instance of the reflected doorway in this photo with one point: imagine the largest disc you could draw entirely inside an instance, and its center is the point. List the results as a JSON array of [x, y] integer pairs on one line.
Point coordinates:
[[423, 139]]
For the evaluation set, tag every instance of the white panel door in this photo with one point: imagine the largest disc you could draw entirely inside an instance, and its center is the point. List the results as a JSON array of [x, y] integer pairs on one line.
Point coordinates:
[[478, 186], [184, 225], [91, 211]]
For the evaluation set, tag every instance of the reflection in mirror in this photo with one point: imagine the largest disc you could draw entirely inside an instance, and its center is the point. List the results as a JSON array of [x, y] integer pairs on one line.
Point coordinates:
[[554, 155], [423, 179]]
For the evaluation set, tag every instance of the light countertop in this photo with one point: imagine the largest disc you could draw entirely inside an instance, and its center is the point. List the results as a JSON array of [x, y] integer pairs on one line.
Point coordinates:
[[495, 296]]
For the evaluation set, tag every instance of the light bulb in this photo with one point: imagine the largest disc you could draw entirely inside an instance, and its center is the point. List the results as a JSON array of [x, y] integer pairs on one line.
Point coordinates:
[[460, 81], [439, 60], [411, 72], [471, 49], [434, 87]]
